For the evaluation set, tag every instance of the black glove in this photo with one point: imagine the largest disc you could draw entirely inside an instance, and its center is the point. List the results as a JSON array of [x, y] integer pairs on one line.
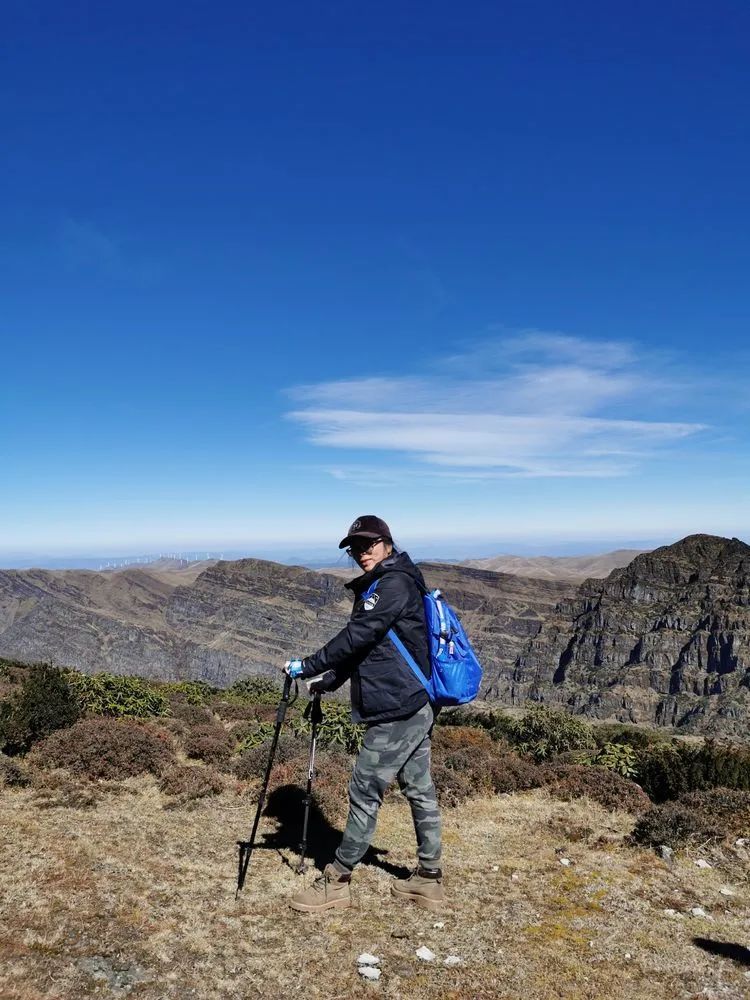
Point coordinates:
[[325, 682]]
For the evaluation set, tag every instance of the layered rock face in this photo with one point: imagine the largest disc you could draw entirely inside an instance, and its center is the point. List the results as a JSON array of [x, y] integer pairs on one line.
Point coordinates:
[[236, 618], [666, 640]]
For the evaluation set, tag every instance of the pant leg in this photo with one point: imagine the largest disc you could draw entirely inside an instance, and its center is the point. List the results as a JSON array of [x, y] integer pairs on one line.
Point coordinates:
[[387, 747], [415, 781]]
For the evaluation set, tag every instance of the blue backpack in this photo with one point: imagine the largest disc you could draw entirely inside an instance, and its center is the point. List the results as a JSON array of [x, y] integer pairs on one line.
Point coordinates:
[[456, 671]]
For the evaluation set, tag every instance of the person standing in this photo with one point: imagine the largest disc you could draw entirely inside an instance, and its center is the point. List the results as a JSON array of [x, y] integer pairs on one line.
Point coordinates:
[[393, 705]]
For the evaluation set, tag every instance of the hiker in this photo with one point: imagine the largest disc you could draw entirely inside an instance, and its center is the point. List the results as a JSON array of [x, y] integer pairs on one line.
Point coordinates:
[[395, 708]]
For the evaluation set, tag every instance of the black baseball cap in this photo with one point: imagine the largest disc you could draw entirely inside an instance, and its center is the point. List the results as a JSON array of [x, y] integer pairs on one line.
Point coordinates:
[[366, 526]]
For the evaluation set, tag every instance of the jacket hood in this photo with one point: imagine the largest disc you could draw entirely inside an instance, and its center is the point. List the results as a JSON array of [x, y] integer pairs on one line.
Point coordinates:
[[399, 562]]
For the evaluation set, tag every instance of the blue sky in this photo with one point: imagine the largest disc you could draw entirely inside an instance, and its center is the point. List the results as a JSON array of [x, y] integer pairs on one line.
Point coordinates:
[[479, 268]]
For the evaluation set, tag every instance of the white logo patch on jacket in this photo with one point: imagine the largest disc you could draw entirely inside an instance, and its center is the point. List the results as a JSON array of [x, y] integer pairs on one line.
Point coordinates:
[[371, 601]]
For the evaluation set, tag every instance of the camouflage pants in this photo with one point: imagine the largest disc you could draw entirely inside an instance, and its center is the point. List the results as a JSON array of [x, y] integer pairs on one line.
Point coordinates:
[[401, 750]]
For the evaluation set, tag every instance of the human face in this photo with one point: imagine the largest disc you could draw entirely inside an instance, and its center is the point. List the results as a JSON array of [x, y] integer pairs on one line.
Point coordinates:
[[370, 556]]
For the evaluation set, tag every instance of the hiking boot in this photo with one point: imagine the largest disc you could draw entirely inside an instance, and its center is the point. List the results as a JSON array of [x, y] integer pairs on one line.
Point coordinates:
[[425, 888], [329, 890]]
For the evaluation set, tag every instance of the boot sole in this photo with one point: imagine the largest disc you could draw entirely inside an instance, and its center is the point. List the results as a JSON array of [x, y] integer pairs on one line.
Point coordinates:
[[412, 897], [341, 904]]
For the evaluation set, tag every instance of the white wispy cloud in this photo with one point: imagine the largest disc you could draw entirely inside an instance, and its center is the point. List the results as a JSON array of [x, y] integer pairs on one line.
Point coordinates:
[[539, 408]]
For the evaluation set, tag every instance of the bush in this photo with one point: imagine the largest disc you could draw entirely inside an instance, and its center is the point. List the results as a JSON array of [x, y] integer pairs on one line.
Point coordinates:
[[45, 703], [118, 696], [107, 748], [192, 715], [256, 691], [254, 735], [515, 774], [13, 773], [609, 789], [542, 733], [618, 757], [466, 761], [710, 815], [336, 729], [185, 784], [252, 761], [333, 770], [670, 770], [209, 743], [189, 692], [638, 737], [231, 711]]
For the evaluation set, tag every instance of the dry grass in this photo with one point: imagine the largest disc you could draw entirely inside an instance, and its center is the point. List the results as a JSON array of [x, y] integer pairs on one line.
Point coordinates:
[[92, 901]]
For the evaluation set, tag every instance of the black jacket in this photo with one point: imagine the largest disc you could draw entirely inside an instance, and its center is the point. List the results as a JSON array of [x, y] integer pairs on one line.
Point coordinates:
[[383, 685]]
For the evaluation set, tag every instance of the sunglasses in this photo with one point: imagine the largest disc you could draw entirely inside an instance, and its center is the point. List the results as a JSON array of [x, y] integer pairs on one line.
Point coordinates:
[[355, 551]]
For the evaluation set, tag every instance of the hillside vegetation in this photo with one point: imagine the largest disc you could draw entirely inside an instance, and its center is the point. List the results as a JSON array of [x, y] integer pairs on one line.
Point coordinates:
[[122, 801]]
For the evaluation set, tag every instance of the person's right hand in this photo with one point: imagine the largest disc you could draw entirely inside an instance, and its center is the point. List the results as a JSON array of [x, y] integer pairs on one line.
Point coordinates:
[[325, 682]]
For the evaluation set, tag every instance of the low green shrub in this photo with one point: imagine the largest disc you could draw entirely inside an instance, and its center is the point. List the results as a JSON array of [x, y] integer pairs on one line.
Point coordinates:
[[609, 789], [638, 737], [618, 757], [667, 771], [254, 735], [336, 729], [256, 691], [710, 815], [107, 748], [189, 692], [543, 733], [45, 703], [118, 696]]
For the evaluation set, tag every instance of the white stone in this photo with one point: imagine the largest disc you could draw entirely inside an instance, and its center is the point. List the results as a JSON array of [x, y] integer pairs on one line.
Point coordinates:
[[565, 861], [515, 877], [740, 842], [673, 914], [425, 954], [369, 972], [496, 868], [452, 960], [439, 925], [700, 863], [726, 891], [367, 959], [698, 911]]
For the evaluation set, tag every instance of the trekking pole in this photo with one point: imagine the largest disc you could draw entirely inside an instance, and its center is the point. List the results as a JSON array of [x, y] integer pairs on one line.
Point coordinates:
[[246, 846], [314, 713]]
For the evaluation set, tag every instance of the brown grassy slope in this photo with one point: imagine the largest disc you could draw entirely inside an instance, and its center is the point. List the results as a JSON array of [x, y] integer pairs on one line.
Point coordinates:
[[571, 568], [131, 892]]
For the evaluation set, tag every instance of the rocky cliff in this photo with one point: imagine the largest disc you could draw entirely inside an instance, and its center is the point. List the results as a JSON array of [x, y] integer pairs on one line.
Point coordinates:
[[236, 618], [665, 640]]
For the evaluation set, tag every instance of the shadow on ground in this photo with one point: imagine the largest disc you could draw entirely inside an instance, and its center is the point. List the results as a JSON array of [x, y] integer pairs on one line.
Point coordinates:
[[727, 949], [287, 806]]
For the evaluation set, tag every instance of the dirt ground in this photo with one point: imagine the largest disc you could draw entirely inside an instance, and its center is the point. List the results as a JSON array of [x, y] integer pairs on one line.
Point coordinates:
[[131, 899]]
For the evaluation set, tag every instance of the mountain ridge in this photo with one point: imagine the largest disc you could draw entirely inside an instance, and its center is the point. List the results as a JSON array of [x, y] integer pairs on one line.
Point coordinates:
[[663, 640]]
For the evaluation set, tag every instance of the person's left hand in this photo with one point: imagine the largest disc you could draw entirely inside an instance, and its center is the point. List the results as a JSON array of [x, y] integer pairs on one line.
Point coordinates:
[[293, 668]]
